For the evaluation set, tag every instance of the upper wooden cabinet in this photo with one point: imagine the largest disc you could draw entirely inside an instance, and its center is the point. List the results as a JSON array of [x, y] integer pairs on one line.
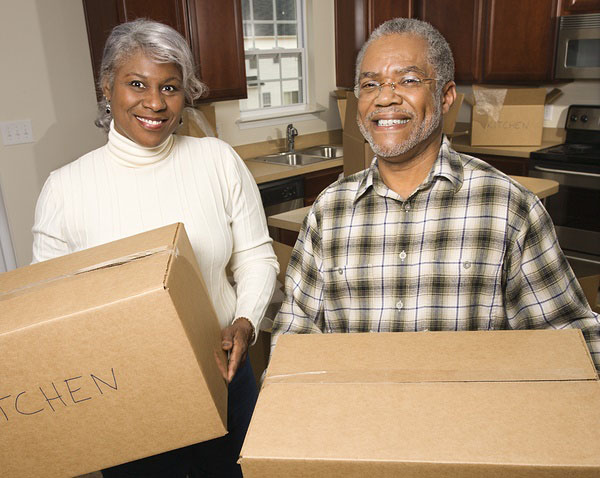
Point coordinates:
[[493, 41], [519, 41], [463, 28], [219, 58], [354, 22]]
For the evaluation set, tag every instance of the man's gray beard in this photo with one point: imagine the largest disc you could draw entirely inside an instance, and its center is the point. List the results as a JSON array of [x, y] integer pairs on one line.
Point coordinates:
[[420, 134]]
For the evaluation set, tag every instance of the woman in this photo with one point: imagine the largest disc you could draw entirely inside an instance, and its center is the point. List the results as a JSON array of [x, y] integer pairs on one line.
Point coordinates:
[[146, 177]]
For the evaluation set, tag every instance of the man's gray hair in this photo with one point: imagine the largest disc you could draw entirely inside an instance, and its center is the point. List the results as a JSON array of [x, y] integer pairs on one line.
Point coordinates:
[[161, 43], [439, 53]]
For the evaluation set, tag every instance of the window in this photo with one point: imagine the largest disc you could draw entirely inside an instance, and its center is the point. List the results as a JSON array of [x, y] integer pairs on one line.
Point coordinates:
[[266, 99], [275, 54]]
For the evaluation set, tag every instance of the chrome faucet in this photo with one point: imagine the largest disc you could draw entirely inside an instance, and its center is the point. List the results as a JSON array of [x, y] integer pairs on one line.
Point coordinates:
[[291, 133]]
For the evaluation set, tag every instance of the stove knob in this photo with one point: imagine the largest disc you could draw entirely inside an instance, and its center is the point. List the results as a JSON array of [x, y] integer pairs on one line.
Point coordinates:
[[584, 118], [574, 118]]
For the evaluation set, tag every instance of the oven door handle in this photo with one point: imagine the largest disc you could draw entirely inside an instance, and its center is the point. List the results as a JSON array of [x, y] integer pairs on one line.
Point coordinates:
[[562, 171]]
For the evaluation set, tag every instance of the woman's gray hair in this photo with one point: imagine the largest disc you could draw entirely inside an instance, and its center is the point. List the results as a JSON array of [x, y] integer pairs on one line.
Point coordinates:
[[161, 43], [439, 53]]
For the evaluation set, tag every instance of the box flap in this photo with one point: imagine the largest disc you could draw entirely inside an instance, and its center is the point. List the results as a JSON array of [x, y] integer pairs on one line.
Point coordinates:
[[449, 119], [432, 356], [89, 278], [350, 126]]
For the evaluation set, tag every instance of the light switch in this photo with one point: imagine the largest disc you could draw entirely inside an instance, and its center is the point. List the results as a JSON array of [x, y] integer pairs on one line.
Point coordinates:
[[16, 132]]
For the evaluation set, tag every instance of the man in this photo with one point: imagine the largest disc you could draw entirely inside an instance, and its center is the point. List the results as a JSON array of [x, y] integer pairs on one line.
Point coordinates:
[[426, 238]]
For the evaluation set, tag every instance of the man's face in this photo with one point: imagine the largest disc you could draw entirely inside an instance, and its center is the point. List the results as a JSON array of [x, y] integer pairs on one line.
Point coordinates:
[[395, 121]]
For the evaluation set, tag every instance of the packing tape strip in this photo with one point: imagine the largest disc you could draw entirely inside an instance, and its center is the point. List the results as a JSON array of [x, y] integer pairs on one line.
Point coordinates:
[[433, 375], [489, 102], [101, 265]]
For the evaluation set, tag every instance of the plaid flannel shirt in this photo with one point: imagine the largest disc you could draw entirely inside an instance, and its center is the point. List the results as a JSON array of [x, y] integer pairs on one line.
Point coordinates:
[[470, 249]]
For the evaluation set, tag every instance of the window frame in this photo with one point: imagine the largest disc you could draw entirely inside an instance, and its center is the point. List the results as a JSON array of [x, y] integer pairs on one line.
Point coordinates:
[[285, 110]]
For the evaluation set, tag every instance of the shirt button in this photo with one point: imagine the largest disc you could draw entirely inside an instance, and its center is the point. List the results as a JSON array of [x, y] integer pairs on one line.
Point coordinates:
[[402, 255], [399, 305], [466, 264], [340, 271], [407, 207]]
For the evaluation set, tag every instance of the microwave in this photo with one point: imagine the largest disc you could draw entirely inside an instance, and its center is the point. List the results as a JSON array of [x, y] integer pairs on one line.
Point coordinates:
[[578, 47]]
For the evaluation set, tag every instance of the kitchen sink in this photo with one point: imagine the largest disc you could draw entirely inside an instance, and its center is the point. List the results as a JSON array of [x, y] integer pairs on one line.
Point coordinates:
[[303, 157], [291, 159], [326, 151]]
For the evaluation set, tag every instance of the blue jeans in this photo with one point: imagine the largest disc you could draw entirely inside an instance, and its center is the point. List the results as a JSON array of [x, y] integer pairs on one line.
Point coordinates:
[[210, 459]]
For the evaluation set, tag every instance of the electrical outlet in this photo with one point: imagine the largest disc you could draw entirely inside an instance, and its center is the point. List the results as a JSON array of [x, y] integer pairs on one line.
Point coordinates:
[[16, 132]]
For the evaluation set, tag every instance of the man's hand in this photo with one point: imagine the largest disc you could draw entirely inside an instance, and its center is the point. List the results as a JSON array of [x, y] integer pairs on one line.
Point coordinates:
[[235, 340]]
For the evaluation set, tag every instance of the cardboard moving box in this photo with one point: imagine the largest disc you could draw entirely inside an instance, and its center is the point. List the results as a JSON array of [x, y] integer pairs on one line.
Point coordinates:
[[509, 116], [108, 355], [459, 404]]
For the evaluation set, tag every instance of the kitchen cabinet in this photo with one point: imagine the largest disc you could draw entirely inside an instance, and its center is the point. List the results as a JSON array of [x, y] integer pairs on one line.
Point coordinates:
[[493, 41], [354, 22], [497, 41], [519, 41], [512, 166], [316, 182], [462, 26], [219, 58], [577, 7]]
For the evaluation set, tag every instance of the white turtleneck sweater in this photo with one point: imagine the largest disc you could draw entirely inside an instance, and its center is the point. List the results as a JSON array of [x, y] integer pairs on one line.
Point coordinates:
[[122, 189]]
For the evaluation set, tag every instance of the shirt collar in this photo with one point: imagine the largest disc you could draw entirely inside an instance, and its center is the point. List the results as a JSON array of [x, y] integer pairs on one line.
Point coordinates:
[[448, 165]]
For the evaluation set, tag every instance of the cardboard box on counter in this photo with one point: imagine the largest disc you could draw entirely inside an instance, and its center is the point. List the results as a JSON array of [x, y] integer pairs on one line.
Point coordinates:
[[460, 404], [108, 355], [357, 151], [509, 116]]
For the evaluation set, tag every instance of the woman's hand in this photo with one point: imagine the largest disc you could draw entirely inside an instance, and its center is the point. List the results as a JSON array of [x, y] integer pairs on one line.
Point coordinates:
[[235, 340]]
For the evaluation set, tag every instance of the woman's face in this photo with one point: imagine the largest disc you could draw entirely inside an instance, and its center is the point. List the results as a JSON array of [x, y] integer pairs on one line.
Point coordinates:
[[146, 99]]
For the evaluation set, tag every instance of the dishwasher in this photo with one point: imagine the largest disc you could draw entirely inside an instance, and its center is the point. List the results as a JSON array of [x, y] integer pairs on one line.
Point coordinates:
[[280, 196]]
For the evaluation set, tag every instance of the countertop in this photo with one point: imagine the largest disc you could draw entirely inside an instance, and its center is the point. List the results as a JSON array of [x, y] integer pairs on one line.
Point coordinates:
[[292, 220], [264, 172]]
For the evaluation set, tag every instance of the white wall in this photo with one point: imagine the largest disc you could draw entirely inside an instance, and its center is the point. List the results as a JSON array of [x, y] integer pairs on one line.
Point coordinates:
[[46, 77]]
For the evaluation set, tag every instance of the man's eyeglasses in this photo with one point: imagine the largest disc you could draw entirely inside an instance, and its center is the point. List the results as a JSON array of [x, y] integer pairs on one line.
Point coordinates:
[[372, 88]]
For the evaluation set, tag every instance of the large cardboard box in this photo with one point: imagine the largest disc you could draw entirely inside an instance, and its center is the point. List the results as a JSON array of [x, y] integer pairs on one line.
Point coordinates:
[[108, 355], [459, 404], [509, 116], [357, 151]]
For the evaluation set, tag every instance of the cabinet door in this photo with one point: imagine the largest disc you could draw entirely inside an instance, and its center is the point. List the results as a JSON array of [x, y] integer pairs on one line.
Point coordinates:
[[101, 16], [216, 30], [354, 21], [170, 12], [219, 58], [380, 11], [462, 26], [350, 34], [519, 40], [507, 164], [316, 182]]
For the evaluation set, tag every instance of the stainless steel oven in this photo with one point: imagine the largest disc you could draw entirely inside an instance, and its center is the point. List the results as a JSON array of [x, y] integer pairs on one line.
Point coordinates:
[[578, 47], [575, 210]]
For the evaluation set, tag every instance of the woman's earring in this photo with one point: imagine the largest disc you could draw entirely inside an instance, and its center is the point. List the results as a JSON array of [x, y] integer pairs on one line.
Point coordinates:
[[108, 110]]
